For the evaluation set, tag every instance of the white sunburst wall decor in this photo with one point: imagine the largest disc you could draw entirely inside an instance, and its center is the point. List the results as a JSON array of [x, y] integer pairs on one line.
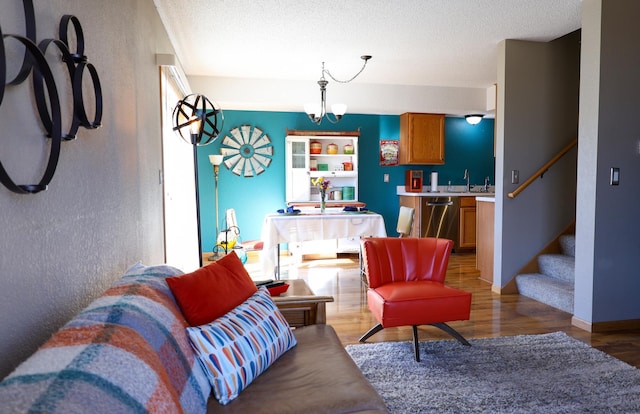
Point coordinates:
[[247, 150]]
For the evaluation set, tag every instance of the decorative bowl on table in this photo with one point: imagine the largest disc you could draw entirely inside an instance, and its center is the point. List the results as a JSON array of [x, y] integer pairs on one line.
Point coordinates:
[[289, 211], [278, 290]]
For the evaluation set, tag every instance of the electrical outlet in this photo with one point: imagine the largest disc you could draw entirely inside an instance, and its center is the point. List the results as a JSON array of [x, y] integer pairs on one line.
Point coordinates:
[[385, 178], [515, 176]]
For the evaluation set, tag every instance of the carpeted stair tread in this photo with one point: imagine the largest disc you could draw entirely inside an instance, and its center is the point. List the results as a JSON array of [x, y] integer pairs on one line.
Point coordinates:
[[547, 289], [568, 244], [560, 266], [554, 283]]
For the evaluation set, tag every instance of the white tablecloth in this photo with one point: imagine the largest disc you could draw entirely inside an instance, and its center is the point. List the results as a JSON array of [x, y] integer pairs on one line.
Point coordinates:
[[279, 228]]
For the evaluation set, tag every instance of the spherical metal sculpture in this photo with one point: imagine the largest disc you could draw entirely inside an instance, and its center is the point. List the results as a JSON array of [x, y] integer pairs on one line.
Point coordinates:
[[197, 120]]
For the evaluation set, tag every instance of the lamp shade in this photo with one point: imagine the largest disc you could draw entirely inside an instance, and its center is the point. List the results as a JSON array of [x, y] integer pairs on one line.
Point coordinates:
[[215, 159], [339, 109], [474, 119], [312, 109]]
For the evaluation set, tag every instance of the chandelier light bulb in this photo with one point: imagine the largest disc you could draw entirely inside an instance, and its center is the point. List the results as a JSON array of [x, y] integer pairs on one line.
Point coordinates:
[[312, 109], [339, 109]]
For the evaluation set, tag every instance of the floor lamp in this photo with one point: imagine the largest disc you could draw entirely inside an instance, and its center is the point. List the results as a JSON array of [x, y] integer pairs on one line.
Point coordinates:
[[216, 160], [198, 122]]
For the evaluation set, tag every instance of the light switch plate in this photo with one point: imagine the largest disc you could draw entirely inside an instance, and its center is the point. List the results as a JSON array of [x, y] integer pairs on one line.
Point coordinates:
[[515, 176], [385, 178], [615, 176]]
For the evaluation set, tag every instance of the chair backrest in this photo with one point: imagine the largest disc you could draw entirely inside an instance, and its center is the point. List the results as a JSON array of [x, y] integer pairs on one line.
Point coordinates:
[[392, 260], [405, 220]]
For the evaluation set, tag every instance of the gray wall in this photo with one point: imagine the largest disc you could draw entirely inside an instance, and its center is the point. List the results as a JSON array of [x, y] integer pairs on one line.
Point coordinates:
[[537, 116], [607, 247], [103, 209]]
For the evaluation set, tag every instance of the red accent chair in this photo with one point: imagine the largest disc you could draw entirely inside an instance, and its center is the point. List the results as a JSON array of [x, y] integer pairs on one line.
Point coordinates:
[[406, 286]]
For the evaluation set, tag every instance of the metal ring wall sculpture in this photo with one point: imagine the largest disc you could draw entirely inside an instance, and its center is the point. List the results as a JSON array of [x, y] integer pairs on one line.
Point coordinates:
[[45, 91]]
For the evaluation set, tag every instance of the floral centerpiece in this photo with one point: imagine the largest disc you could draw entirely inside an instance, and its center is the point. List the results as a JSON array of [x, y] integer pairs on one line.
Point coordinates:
[[322, 185]]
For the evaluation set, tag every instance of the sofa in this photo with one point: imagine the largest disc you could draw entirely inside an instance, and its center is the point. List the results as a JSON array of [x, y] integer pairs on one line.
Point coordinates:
[[129, 352]]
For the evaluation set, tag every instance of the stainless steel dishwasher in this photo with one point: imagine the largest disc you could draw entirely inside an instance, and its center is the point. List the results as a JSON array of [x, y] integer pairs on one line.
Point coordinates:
[[440, 218]]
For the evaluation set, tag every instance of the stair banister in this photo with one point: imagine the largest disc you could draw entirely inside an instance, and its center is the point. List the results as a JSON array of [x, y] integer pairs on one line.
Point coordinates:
[[542, 169]]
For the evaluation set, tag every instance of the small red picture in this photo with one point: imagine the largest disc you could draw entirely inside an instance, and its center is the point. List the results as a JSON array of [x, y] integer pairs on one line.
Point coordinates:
[[389, 152]]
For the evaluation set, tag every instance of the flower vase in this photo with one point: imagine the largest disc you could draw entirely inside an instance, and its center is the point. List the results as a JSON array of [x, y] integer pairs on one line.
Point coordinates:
[[323, 203]]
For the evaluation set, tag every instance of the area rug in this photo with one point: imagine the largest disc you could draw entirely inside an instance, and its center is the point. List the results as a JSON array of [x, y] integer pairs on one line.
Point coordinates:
[[550, 373]]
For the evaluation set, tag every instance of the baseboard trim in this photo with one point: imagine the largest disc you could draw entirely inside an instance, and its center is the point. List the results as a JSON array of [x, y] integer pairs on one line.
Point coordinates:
[[509, 289], [608, 326]]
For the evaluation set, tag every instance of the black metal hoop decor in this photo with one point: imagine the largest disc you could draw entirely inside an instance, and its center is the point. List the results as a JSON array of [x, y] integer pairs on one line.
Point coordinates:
[[39, 91], [55, 131], [3, 67], [30, 29], [48, 104]]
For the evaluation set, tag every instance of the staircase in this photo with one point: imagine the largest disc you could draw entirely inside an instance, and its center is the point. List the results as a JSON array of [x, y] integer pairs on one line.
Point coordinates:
[[554, 284]]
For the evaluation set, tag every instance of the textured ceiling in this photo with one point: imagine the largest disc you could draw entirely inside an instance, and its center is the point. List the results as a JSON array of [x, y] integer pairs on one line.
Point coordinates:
[[413, 42]]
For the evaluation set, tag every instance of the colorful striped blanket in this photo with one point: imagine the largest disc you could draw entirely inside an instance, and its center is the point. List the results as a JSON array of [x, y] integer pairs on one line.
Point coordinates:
[[127, 352]]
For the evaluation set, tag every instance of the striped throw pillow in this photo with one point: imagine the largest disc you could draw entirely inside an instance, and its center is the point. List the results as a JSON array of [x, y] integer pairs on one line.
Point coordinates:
[[237, 347]]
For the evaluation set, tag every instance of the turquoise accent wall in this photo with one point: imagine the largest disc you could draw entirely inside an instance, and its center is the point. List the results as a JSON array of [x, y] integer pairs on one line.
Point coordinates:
[[466, 146]]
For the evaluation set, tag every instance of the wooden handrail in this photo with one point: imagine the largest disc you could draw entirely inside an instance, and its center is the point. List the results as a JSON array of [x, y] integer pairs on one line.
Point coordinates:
[[542, 169]]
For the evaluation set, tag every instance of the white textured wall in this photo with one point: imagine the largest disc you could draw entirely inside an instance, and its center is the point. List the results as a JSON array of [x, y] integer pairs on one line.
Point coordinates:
[[291, 95], [103, 210]]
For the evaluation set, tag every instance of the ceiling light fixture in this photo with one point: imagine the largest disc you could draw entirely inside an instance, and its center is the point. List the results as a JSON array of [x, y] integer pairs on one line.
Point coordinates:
[[474, 119], [317, 112]]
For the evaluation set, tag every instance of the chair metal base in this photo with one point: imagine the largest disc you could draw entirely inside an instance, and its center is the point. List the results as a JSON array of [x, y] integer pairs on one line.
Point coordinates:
[[441, 325]]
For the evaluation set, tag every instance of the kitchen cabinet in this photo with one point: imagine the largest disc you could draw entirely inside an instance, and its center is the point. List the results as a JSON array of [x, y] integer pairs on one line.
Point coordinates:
[[421, 139], [467, 229], [339, 166]]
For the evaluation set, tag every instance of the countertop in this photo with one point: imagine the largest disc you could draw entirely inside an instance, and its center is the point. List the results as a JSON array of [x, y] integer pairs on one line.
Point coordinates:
[[487, 199], [458, 191]]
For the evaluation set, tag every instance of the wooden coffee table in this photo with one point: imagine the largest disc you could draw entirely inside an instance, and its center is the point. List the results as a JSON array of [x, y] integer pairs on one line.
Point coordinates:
[[300, 306]]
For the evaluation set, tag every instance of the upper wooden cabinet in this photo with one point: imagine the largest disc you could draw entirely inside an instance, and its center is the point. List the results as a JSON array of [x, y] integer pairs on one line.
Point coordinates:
[[421, 138]]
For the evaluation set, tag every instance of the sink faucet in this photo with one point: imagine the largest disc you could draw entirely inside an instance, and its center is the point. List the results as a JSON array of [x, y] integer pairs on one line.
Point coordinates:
[[486, 184], [466, 177]]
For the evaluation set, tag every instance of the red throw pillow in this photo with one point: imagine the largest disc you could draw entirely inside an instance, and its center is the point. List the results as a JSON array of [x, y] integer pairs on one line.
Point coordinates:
[[213, 290]]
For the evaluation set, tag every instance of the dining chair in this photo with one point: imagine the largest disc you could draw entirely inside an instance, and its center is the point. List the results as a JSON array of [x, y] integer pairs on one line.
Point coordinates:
[[232, 232], [405, 221]]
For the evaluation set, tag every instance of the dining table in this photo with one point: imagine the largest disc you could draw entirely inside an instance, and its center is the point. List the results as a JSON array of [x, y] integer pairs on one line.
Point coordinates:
[[298, 227]]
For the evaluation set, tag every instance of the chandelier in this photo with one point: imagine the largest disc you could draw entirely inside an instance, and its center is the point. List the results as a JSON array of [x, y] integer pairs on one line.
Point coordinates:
[[317, 112]]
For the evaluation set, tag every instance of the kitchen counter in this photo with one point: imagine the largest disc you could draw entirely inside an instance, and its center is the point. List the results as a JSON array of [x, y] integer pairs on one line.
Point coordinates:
[[449, 213], [458, 191], [487, 198]]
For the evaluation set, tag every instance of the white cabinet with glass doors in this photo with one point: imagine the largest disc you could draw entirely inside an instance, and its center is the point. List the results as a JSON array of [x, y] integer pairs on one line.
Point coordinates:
[[313, 154]]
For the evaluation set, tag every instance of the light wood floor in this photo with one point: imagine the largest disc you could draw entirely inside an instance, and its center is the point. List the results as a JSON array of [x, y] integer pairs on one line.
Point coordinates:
[[492, 315]]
